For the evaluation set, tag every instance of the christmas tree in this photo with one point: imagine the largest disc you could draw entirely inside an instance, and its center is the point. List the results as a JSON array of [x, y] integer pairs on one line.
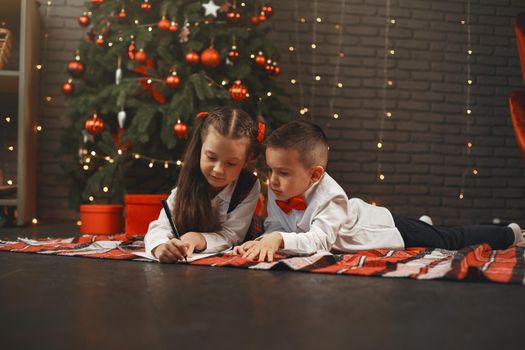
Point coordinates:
[[145, 71]]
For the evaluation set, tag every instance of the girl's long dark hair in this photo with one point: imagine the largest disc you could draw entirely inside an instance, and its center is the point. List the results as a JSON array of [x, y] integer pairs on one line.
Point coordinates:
[[192, 209]]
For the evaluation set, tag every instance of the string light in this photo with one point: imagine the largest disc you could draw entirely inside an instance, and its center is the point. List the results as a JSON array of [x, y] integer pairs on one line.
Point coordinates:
[[34, 221], [10, 182], [105, 189], [468, 121], [387, 83], [91, 198]]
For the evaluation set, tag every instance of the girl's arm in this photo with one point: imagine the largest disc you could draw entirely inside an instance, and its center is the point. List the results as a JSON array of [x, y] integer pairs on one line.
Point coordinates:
[[159, 231], [236, 225]]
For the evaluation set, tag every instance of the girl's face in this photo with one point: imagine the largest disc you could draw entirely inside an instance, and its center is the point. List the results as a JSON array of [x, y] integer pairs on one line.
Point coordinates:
[[222, 159]]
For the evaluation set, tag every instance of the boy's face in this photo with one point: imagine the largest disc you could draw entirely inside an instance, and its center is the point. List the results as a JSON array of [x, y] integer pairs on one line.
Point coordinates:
[[288, 176], [222, 159]]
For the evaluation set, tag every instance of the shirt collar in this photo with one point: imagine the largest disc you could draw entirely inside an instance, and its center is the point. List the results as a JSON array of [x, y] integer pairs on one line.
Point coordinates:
[[226, 194]]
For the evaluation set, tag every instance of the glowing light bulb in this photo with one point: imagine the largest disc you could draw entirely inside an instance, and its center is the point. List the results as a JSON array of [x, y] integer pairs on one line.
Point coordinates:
[[461, 195], [474, 171], [317, 77], [34, 221], [166, 165], [9, 182], [291, 48], [379, 145], [388, 114], [339, 85], [314, 46], [293, 81], [381, 177], [91, 198], [336, 115], [150, 164], [105, 189]]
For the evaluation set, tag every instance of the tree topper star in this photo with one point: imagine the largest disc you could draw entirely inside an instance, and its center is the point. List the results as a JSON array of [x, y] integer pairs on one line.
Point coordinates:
[[210, 8]]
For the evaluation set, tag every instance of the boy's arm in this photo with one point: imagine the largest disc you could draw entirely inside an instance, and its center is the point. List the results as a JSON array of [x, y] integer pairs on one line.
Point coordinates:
[[325, 225], [235, 227]]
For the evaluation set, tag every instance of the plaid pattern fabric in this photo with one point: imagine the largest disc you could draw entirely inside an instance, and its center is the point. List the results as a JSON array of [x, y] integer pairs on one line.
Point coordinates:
[[478, 263]]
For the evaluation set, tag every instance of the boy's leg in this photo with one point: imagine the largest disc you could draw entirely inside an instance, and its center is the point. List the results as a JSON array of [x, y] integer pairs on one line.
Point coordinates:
[[416, 233]]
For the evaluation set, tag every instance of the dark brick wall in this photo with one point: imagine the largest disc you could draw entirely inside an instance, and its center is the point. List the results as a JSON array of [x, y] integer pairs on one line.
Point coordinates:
[[423, 143]]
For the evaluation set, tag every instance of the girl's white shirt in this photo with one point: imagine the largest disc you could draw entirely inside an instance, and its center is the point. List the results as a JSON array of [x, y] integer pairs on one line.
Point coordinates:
[[234, 225], [332, 222]]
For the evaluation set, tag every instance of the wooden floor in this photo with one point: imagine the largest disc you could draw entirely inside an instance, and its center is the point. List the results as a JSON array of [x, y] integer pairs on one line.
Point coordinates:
[[52, 302]]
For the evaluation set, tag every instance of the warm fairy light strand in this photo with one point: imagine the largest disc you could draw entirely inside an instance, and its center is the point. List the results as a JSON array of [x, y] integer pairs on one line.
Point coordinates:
[[314, 60], [385, 84], [467, 148], [298, 56], [336, 83]]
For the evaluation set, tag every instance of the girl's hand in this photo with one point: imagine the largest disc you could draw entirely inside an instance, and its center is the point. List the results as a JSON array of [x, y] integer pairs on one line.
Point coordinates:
[[172, 251], [196, 242]]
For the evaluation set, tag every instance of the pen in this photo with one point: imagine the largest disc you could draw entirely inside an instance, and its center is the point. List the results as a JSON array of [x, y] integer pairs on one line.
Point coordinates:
[[170, 219]]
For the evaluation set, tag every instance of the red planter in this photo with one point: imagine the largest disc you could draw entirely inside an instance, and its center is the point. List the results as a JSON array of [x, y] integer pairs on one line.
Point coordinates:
[[141, 209], [101, 219]]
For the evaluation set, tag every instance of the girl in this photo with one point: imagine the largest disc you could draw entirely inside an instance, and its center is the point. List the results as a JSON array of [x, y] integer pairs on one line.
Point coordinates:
[[215, 198]]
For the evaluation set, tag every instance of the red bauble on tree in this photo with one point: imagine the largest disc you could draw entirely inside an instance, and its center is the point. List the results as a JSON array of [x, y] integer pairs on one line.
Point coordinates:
[[68, 88], [173, 26], [122, 15], [180, 129], [210, 58], [233, 16], [267, 10], [163, 24], [141, 56], [238, 91], [131, 50], [97, 2], [173, 80], [100, 40], [84, 20], [233, 54], [260, 60], [254, 20], [145, 6], [262, 17], [75, 69], [192, 58], [276, 70], [95, 125]]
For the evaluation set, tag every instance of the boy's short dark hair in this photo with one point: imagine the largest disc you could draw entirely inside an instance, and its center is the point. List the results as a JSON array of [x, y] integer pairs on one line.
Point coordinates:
[[308, 139]]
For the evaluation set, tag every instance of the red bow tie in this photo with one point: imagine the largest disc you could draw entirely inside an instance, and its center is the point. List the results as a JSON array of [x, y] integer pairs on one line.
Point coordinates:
[[296, 203]]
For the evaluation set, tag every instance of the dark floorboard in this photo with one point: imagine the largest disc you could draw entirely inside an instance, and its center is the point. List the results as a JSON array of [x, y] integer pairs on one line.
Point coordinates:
[[52, 302]]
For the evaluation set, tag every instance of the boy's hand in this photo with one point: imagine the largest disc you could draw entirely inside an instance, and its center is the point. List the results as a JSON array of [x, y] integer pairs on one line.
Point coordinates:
[[172, 251], [264, 248], [241, 249]]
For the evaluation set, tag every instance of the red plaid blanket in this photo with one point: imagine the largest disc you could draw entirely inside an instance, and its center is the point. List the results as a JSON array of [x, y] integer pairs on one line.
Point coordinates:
[[479, 263]]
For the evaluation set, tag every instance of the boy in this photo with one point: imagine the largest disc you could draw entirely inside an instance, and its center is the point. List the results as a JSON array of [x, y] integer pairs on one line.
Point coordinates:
[[308, 211]]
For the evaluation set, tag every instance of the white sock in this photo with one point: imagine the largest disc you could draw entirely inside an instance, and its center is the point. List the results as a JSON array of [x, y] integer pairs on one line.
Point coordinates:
[[427, 219], [518, 235]]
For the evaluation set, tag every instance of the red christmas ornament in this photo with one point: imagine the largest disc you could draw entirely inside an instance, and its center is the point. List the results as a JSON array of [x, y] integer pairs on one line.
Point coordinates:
[[210, 58], [95, 125], [181, 130], [192, 58], [75, 69], [68, 88], [233, 55], [233, 16], [268, 10], [254, 19], [269, 68], [262, 18], [100, 40], [163, 24], [173, 26], [131, 50], [97, 2], [84, 20], [145, 6], [141, 56], [173, 80], [276, 71], [238, 91], [260, 60], [122, 15]]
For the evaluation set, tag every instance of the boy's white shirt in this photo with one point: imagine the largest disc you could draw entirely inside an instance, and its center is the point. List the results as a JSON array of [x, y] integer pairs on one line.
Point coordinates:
[[234, 225], [332, 221]]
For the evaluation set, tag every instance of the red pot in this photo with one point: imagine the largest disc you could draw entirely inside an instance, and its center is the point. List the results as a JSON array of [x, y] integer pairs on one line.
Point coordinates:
[[141, 210], [101, 218]]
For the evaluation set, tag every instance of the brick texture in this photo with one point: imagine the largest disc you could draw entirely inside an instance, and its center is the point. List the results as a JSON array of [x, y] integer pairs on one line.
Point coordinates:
[[422, 157]]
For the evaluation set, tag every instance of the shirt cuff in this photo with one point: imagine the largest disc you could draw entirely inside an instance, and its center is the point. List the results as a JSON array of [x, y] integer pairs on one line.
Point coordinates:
[[214, 243]]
